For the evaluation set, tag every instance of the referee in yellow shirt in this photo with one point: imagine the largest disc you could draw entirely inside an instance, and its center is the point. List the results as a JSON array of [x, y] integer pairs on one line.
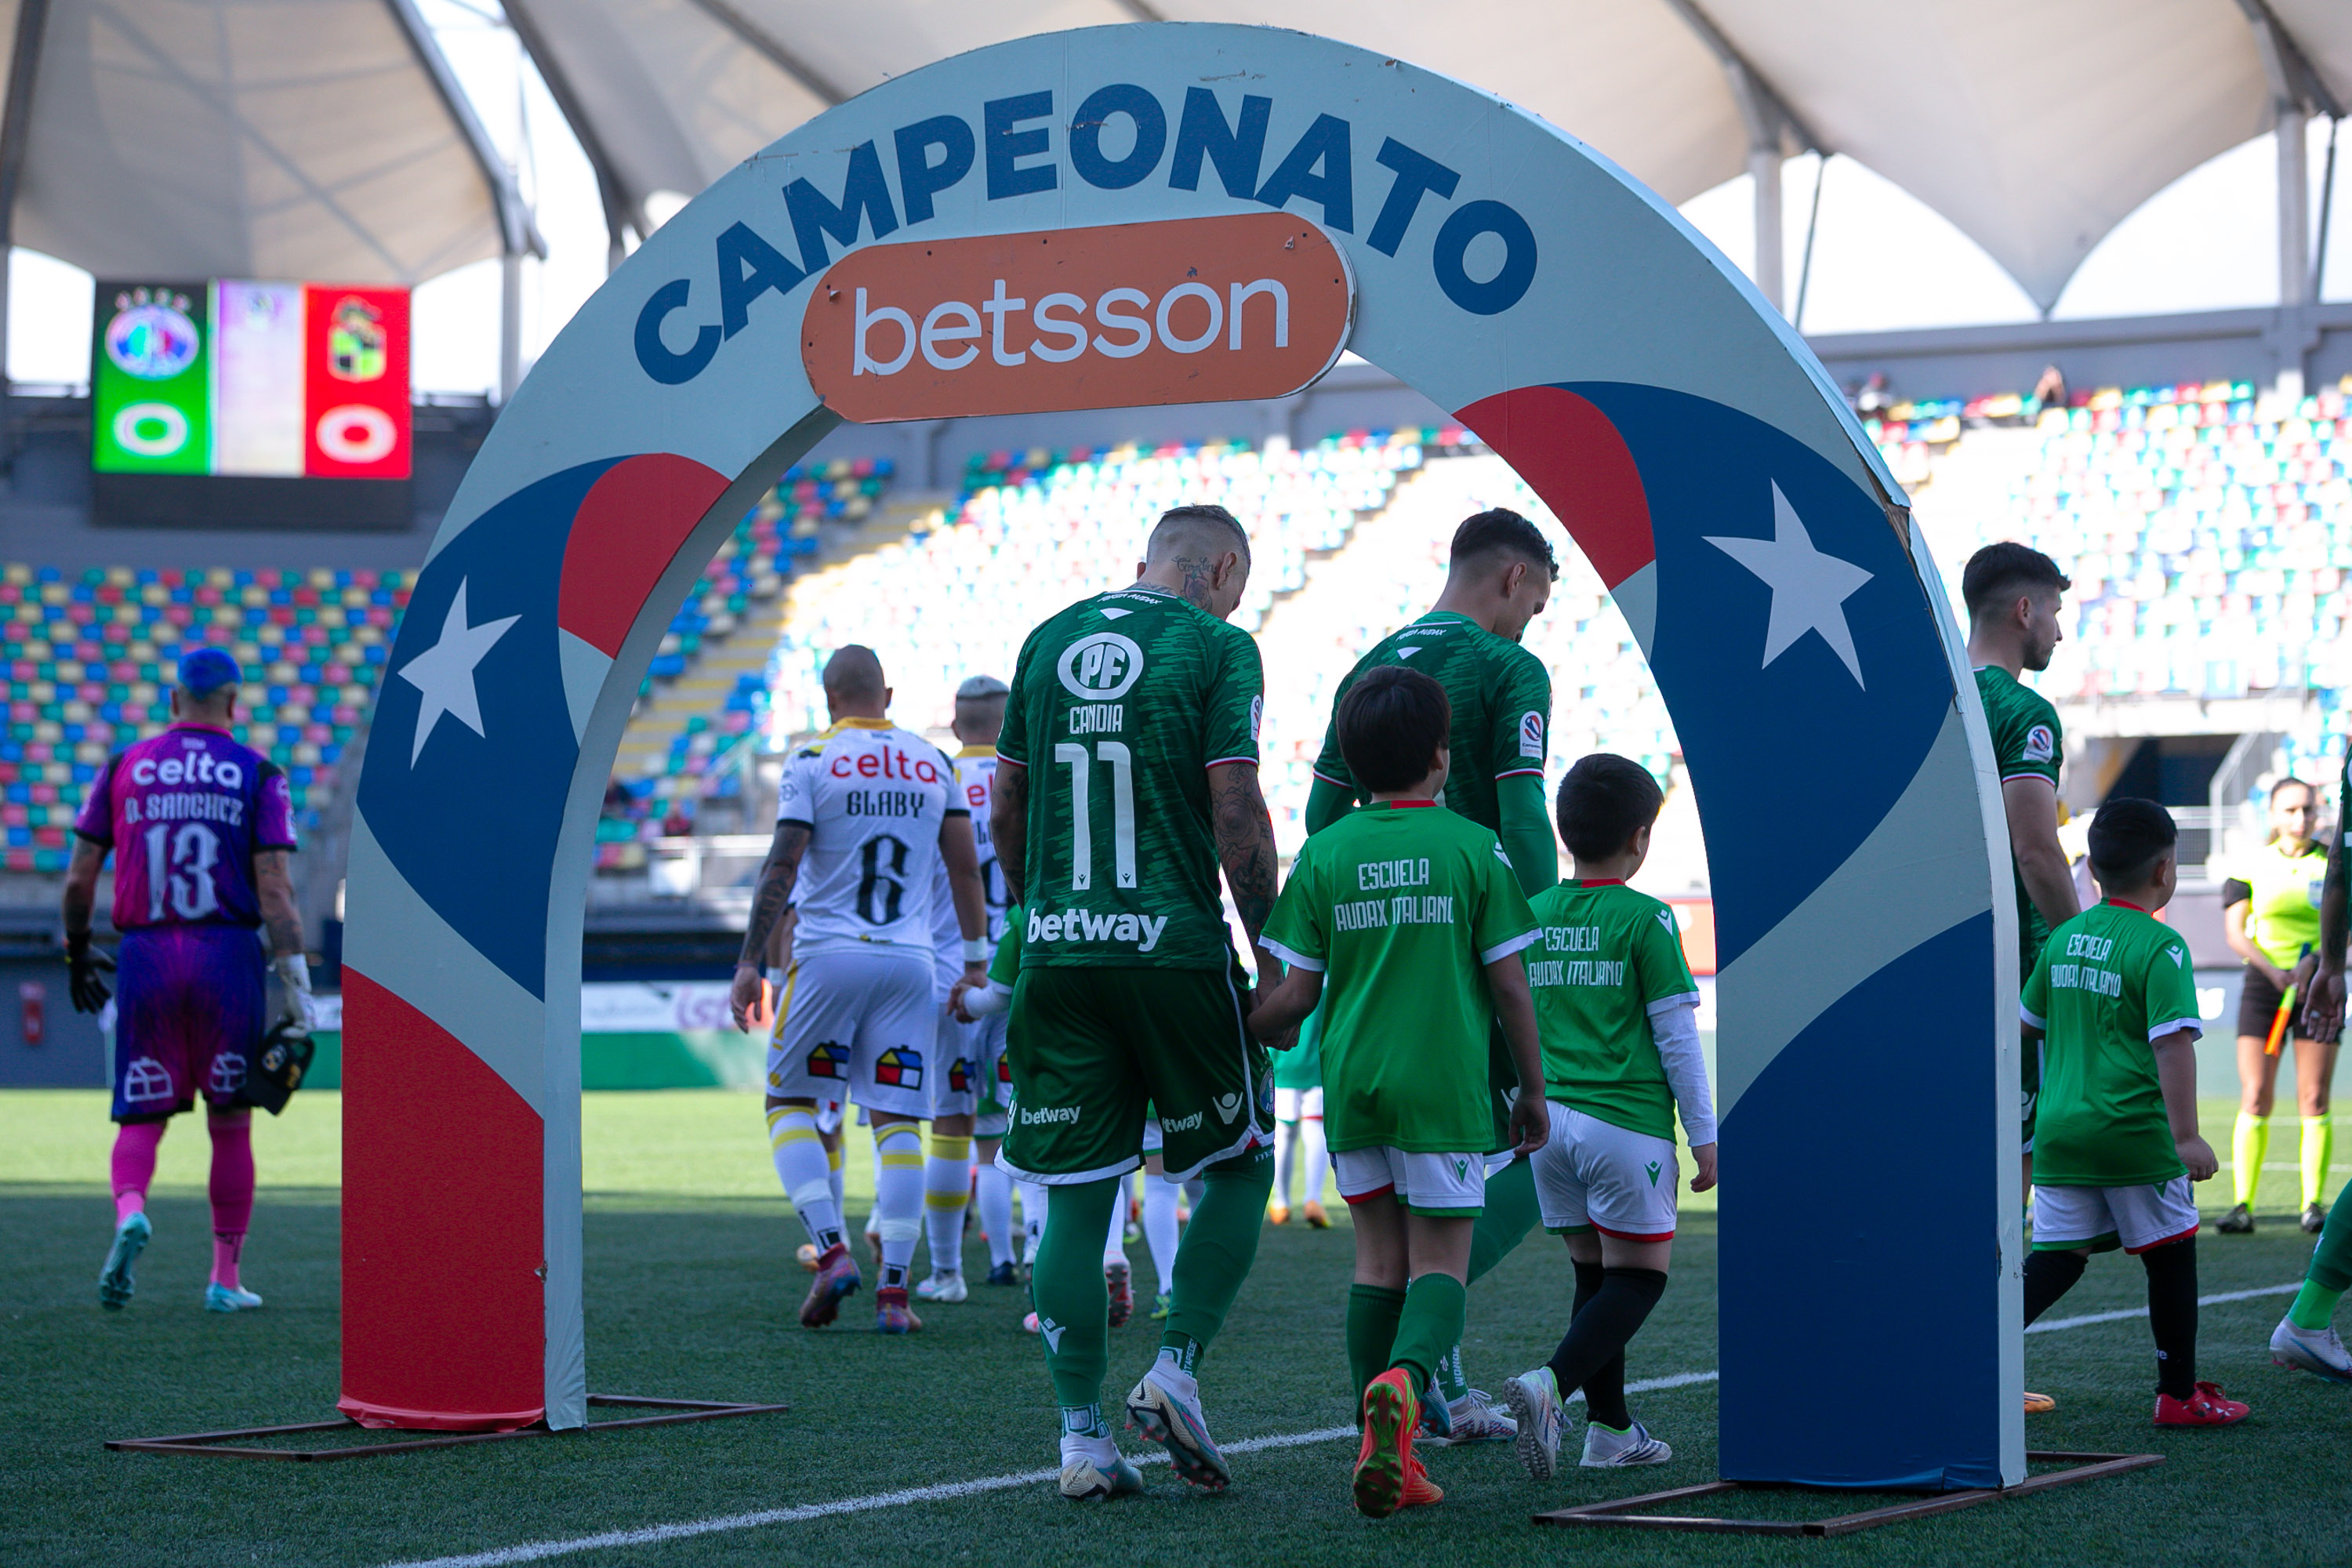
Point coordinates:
[[2270, 913]]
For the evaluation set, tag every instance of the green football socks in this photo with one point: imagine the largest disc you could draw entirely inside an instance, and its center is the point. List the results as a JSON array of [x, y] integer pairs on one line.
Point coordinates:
[[1073, 1303], [2318, 1148], [1429, 1326], [2247, 1145], [1216, 1255], [2330, 1274], [1372, 1314]]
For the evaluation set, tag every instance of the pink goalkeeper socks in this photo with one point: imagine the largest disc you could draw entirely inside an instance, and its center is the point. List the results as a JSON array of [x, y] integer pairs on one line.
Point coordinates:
[[231, 1191], [134, 1165]]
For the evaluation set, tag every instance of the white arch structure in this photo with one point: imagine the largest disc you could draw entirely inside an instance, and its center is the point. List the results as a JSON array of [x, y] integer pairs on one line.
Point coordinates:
[[1763, 555]]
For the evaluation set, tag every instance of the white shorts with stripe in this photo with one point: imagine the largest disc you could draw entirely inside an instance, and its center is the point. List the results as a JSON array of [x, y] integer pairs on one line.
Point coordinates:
[[1594, 1175], [860, 1023], [2136, 1218], [1442, 1185]]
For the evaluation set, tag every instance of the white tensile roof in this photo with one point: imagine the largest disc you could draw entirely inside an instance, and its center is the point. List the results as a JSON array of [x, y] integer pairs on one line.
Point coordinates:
[[301, 139], [2033, 126]]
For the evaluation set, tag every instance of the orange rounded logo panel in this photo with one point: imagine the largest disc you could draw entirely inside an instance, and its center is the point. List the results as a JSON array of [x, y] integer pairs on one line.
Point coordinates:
[[1210, 309]]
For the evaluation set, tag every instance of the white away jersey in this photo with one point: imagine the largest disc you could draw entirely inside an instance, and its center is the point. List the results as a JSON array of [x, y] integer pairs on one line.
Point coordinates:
[[975, 769], [872, 797]]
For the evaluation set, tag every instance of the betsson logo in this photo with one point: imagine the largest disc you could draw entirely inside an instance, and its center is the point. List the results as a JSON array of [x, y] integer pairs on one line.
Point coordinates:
[[1246, 305]]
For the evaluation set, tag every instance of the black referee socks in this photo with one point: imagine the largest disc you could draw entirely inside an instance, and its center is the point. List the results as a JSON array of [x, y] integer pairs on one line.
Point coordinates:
[[1597, 1337]]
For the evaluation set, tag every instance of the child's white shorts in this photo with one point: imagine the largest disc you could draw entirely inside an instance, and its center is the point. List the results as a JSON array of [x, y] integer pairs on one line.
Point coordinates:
[[2103, 1218], [1298, 1104], [1446, 1186], [1593, 1175]]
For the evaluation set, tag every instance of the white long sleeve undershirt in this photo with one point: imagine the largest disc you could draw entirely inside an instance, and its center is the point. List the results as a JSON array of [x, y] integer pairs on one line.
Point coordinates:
[[1673, 1024]]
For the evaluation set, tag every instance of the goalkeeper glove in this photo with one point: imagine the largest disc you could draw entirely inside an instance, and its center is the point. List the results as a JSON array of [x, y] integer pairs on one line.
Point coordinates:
[[294, 976], [87, 964]]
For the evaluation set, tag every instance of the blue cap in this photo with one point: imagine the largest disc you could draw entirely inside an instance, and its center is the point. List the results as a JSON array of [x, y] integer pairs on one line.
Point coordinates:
[[207, 671]]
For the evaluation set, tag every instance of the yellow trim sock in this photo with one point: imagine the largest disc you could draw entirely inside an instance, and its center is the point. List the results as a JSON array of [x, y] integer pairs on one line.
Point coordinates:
[[2318, 1149], [947, 1192], [899, 1197], [2248, 1142]]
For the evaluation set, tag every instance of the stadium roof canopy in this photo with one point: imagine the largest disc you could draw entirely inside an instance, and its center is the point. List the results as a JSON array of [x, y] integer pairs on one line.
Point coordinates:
[[290, 139], [2034, 127]]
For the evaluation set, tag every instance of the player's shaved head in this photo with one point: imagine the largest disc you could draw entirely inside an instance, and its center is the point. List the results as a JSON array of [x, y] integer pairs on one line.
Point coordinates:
[[1204, 531], [854, 675]]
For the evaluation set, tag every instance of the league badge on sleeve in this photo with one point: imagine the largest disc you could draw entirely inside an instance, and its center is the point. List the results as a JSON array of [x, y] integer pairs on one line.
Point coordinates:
[[2040, 745], [1531, 729]]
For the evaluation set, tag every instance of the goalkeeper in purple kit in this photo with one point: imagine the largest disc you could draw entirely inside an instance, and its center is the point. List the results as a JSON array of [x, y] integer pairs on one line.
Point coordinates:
[[200, 828]]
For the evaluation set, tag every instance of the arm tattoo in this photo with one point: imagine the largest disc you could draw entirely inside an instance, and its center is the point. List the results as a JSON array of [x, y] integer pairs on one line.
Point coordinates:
[[1245, 844], [776, 889], [1008, 826]]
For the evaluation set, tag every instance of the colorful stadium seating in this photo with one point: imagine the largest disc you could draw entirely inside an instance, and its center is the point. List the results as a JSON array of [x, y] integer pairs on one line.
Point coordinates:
[[1034, 531], [2207, 532], [90, 656]]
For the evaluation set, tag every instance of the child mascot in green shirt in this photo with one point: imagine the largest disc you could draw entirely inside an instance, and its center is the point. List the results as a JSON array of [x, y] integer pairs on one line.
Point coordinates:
[[1617, 1011], [1406, 923], [2113, 1002]]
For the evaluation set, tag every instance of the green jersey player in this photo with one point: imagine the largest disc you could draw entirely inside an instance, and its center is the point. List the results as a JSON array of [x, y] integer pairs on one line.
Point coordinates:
[[1618, 1011], [1127, 778], [1500, 577], [1410, 918], [2118, 1146]]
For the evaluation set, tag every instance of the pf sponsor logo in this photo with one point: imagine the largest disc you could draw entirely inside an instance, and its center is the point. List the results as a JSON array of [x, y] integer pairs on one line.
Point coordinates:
[[1101, 667], [1206, 310]]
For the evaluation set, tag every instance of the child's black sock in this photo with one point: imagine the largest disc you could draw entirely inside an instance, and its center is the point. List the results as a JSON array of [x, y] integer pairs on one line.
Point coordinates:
[[1600, 1332], [2172, 1314], [1604, 1390], [2048, 1275]]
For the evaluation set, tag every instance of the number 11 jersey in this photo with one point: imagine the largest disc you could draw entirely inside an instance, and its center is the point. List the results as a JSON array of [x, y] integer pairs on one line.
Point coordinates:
[[1120, 705], [872, 796], [184, 812]]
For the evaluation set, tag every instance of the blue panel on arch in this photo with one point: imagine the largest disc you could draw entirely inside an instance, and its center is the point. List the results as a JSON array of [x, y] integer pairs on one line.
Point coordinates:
[[1858, 1226], [1796, 760], [472, 821]]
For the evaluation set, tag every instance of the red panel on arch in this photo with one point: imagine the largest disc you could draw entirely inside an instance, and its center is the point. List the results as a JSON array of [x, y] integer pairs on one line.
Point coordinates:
[[1571, 455], [443, 1300], [623, 539]]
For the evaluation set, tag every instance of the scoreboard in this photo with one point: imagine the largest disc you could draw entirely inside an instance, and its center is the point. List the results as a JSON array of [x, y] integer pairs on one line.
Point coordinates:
[[299, 391]]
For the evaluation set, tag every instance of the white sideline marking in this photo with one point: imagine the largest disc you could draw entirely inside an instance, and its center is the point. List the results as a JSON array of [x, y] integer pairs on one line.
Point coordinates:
[[653, 1535], [2051, 1325]]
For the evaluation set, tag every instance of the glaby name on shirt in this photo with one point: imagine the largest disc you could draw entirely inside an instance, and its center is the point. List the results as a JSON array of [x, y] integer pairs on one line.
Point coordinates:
[[1085, 925]]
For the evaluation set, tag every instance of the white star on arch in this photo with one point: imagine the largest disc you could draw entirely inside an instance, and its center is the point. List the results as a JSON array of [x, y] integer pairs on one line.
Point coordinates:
[[444, 673], [1809, 589]]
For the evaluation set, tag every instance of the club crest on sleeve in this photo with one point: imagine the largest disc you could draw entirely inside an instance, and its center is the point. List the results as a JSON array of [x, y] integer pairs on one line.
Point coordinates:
[[900, 1067], [828, 1059]]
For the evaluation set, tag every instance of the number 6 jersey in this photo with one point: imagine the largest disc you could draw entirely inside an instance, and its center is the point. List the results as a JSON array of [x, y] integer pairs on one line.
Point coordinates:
[[184, 812], [872, 796]]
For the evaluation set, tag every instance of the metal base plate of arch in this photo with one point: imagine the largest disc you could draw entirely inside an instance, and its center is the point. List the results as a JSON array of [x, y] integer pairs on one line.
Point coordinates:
[[1620, 1513], [240, 1443]]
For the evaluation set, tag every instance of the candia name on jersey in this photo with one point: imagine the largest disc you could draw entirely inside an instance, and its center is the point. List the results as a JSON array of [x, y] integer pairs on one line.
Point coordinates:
[[1120, 705], [975, 769], [1501, 696], [872, 797]]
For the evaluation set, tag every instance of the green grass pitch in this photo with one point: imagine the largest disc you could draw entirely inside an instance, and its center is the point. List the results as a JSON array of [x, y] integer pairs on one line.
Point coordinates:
[[691, 1292]]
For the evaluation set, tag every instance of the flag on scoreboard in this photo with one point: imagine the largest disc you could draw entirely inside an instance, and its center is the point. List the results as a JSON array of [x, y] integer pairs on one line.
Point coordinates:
[[284, 380]]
